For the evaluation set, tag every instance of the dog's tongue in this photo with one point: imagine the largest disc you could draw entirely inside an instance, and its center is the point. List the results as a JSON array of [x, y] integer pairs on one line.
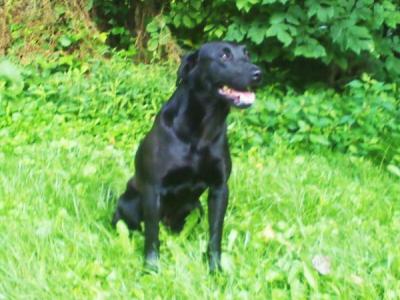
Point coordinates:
[[245, 97], [239, 97]]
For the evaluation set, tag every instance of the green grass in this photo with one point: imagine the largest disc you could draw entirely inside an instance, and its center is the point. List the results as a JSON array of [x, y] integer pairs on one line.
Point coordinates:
[[67, 140], [57, 197]]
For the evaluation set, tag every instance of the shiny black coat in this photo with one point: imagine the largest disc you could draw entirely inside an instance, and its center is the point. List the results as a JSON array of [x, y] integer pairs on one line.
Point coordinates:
[[186, 150]]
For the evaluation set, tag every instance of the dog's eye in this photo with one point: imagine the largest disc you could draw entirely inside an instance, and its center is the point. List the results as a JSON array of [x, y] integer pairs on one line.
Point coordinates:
[[226, 54], [246, 53]]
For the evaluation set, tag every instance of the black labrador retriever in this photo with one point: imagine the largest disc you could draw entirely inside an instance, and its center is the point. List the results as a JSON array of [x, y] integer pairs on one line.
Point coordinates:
[[186, 151]]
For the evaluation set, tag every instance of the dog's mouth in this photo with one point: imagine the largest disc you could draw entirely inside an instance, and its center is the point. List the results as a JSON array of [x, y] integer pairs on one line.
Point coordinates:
[[240, 99]]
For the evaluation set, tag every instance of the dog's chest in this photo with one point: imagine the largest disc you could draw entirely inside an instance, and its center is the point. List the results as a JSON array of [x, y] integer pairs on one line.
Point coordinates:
[[196, 171]]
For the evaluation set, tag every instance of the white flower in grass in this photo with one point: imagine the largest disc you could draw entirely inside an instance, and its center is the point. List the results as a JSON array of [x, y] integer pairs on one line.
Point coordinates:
[[322, 264], [268, 233], [356, 279]]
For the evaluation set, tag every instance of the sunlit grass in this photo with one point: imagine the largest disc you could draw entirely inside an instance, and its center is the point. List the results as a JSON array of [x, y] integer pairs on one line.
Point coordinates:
[[56, 201]]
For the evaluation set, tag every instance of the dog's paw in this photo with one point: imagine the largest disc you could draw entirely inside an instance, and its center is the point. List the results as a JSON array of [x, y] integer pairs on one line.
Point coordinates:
[[151, 263], [214, 264]]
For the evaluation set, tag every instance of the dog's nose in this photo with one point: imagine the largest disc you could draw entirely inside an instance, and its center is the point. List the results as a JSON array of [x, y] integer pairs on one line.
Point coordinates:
[[257, 75]]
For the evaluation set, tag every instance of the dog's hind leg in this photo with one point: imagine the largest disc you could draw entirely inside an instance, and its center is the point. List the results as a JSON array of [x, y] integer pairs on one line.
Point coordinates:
[[129, 208]]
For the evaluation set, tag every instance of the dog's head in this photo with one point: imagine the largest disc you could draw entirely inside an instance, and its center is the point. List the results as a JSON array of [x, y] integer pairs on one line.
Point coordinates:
[[224, 71]]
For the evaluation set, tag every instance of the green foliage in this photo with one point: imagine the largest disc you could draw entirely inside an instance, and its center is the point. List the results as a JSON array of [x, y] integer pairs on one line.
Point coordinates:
[[113, 17], [342, 34], [298, 41], [53, 99], [160, 37], [57, 197], [66, 138], [362, 121], [49, 28], [10, 77]]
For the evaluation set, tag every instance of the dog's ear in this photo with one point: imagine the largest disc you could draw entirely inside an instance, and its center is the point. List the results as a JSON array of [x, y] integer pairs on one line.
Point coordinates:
[[188, 63]]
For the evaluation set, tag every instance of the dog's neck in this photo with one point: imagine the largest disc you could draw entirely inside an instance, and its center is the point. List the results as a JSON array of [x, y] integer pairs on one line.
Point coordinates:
[[200, 119]]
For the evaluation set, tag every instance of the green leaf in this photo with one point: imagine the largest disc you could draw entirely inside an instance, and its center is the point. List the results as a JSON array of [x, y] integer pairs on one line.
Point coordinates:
[[243, 5], [355, 84], [319, 139], [392, 64], [294, 271], [273, 275], [292, 19], [324, 14], [279, 294], [60, 9], [65, 41], [152, 27], [118, 30], [298, 291], [164, 37], [313, 9], [337, 32], [311, 48], [235, 33], [11, 74], [256, 34], [379, 17], [89, 5], [231, 239], [123, 235], [89, 170], [279, 30], [152, 44], [177, 21], [358, 38], [309, 275], [277, 18], [196, 4], [187, 21], [394, 170], [190, 223], [297, 13], [285, 38], [210, 27], [218, 32], [392, 15]]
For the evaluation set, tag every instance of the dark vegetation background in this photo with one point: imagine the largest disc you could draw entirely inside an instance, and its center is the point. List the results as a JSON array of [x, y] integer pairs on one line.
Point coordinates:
[[326, 41], [332, 67]]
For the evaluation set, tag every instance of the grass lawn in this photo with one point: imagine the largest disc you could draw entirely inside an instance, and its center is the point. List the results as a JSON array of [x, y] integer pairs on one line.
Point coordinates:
[[300, 225], [286, 211]]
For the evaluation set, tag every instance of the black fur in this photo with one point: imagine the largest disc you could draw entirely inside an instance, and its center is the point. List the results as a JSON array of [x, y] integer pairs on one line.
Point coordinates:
[[186, 151]]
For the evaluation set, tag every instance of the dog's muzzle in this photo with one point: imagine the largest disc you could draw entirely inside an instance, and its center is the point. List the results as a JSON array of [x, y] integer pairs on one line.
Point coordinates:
[[238, 98]]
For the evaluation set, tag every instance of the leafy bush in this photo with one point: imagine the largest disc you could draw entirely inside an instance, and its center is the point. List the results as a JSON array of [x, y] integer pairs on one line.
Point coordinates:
[[48, 27], [362, 121], [117, 102], [348, 36], [304, 41], [96, 98]]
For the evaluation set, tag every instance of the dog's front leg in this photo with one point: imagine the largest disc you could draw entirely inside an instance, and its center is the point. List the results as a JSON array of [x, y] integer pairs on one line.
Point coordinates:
[[217, 203], [151, 214]]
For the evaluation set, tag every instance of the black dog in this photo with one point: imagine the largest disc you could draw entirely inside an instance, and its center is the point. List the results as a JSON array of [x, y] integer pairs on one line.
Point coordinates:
[[187, 151]]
